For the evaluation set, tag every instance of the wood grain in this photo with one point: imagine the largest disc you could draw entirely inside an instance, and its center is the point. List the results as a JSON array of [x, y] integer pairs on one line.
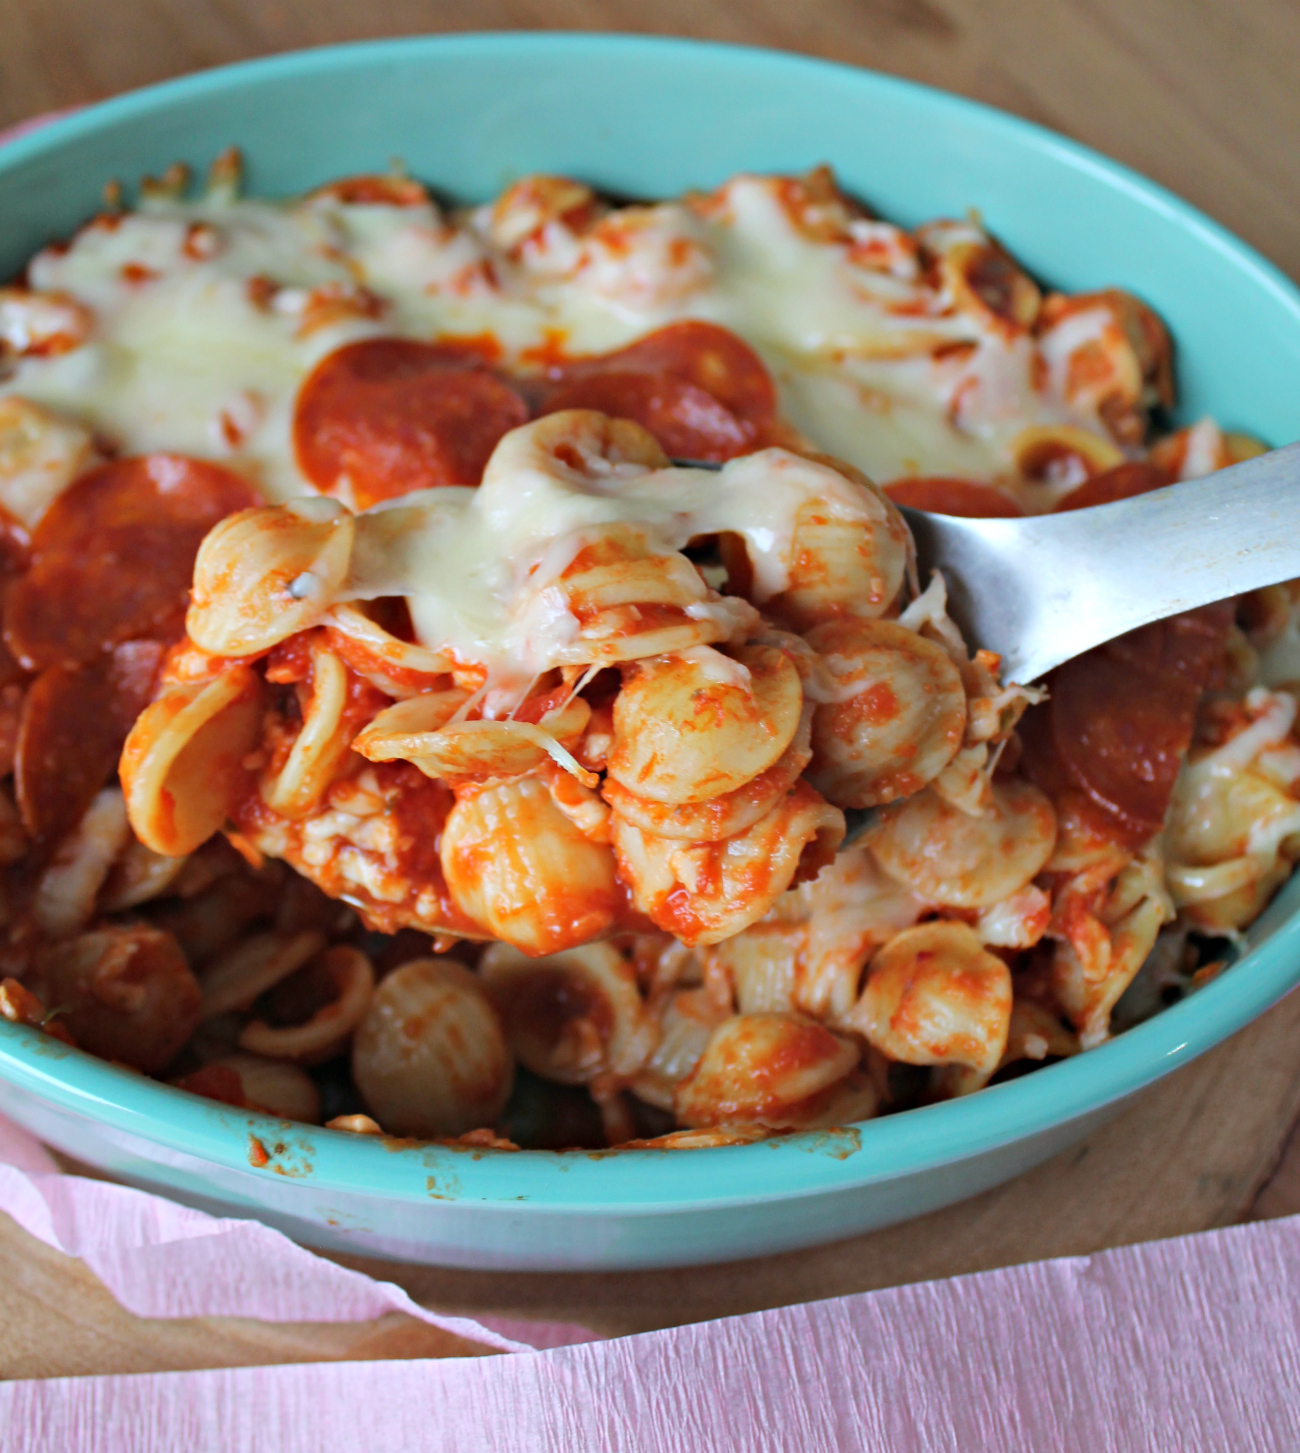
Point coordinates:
[[1199, 94], [60, 1320]]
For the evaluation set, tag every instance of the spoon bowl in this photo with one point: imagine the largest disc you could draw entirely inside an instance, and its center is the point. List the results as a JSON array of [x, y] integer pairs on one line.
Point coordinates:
[[1045, 588]]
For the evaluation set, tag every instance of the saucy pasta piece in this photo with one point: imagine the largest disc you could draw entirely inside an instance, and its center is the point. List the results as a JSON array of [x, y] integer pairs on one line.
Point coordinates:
[[686, 1021], [934, 995], [124, 992], [1110, 352], [345, 979], [705, 892], [264, 574], [518, 864], [777, 1070], [183, 765], [716, 818], [253, 1082], [903, 722], [697, 725], [948, 856], [1233, 832], [841, 567]]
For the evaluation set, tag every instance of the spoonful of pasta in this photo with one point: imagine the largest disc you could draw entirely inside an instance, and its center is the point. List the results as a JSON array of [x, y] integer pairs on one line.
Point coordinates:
[[1042, 589]]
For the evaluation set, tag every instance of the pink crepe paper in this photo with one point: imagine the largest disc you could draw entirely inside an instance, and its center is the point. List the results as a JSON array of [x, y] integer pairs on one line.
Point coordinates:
[[1187, 1344]]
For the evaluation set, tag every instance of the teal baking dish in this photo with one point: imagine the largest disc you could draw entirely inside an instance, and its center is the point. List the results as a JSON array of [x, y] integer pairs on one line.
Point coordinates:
[[644, 118]]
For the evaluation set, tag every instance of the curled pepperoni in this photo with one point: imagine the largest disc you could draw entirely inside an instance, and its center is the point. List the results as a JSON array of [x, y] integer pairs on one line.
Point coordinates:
[[700, 390], [392, 415], [113, 555], [940, 495], [74, 720], [1123, 481], [1119, 719]]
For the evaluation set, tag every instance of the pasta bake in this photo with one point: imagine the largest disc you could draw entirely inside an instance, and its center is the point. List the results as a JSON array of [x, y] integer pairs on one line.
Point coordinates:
[[441, 646]]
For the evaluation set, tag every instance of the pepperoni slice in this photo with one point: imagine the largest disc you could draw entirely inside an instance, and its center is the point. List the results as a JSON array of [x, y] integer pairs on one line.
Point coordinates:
[[1119, 719], [392, 415], [1187, 647], [112, 557], [940, 495], [700, 390], [73, 723], [687, 422], [1123, 481]]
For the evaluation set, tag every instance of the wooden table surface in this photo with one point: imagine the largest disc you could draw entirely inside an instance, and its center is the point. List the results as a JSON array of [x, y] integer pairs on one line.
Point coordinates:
[[1200, 95]]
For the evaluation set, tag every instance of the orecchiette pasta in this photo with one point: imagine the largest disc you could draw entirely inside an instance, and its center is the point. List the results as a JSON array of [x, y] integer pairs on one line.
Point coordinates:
[[1034, 1033], [574, 1016], [124, 992], [350, 980], [322, 744], [698, 725], [705, 892], [1234, 826], [182, 765], [716, 818], [264, 574], [490, 781], [935, 995], [899, 716], [259, 963], [516, 862], [773, 1069], [840, 566], [430, 1055], [686, 1021], [963, 860], [257, 1083]]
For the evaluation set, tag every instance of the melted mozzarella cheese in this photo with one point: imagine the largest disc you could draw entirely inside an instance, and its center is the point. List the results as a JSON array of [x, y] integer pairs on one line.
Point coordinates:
[[479, 567], [205, 324]]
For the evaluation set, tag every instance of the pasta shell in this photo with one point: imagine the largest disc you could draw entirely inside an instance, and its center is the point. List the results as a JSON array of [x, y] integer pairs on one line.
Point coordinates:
[[265, 574], [125, 993], [935, 995], [571, 1016], [696, 725], [772, 1069], [522, 869], [182, 766], [945, 855], [902, 726], [430, 1056], [705, 892]]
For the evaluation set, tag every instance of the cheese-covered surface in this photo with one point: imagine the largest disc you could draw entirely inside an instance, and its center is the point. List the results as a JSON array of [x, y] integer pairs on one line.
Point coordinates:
[[208, 313], [375, 540]]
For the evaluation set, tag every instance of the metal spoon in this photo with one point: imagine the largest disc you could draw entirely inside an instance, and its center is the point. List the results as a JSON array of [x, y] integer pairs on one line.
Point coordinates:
[[1044, 589]]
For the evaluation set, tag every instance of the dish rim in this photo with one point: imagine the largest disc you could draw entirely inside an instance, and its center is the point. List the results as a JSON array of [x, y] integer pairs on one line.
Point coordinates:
[[652, 1181]]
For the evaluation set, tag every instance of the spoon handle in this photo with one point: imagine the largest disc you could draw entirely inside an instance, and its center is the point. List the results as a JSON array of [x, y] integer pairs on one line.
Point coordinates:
[[1044, 589]]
